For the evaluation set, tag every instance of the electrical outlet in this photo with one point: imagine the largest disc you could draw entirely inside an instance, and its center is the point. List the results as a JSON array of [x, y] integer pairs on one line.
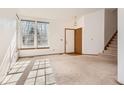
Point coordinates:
[[61, 39]]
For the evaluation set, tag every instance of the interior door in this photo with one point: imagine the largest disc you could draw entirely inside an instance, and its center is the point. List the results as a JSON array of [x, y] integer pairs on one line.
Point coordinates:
[[69, 41], [78, 41]]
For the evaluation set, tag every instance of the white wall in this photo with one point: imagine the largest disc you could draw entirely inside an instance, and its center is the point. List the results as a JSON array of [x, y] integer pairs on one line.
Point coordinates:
[[121, 45], [93, 35], [80, 22], [7, 31], [110, 24]]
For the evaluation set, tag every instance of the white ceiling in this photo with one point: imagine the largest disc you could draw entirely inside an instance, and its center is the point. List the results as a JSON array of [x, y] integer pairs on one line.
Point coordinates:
[[55, 13]]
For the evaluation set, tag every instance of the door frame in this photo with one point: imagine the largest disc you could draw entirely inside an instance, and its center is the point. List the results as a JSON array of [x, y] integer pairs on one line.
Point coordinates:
[[65, 38]]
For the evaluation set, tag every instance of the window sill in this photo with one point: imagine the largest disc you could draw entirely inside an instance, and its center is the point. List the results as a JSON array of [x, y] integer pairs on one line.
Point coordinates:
[[34, 48]]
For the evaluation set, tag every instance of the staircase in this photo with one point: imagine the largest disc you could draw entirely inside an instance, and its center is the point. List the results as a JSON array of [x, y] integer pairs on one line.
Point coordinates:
[[111, 49]]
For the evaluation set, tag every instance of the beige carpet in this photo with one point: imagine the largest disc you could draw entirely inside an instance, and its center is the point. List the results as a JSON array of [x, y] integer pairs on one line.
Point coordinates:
[[84, 69], [81, 69]]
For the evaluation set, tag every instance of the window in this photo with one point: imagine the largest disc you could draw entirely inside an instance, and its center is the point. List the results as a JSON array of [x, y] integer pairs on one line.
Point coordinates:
[[42, 34], [34, 34], [27, 33]]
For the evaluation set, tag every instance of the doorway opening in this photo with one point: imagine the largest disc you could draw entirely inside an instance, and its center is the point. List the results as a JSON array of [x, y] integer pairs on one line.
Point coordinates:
[[73, 41]]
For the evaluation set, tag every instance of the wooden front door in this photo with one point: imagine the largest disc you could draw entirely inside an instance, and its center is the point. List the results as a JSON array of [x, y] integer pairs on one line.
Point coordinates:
[[78, 41]]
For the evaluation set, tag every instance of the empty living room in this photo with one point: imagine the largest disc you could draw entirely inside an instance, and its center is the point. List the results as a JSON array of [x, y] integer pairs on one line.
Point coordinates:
[[61, 46], [41, 46]]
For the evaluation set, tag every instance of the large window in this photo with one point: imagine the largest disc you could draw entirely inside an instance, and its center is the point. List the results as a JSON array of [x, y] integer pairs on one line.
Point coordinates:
[[34, 34]]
